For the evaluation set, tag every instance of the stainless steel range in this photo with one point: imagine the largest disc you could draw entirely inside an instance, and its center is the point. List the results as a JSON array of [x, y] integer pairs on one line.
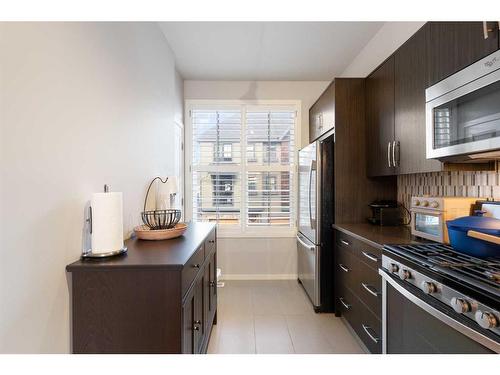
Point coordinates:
[[436, 300]]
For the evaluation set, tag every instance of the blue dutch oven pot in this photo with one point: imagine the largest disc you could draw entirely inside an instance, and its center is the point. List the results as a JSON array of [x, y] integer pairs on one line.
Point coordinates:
[[475, 235]]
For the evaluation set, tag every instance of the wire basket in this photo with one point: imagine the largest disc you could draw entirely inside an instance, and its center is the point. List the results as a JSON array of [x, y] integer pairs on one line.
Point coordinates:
[[159, 219]]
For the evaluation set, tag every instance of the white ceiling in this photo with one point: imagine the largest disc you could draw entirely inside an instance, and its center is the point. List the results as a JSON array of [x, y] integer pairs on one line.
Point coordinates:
[[301, 51]]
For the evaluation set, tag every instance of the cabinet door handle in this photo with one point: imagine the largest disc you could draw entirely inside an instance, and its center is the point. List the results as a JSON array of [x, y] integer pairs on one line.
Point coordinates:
[[343, 268], [345, 304], [370, 256], [211, 241], [367, 329], [345, 242], [396, 157], [212, 284], [370, 289], [394, 164], [196, 265], [486, 30], [196, 328], [389, 154]]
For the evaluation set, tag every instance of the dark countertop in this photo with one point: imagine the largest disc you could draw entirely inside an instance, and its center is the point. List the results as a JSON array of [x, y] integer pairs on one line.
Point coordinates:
[[172, 253], [378, 236]]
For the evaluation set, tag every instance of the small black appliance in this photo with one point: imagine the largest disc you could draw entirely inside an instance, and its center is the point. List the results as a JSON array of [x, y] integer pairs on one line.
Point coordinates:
[[386, 213]]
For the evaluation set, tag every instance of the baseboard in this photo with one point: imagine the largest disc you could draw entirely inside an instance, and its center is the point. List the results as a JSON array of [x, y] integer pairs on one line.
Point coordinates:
[[226, 277]]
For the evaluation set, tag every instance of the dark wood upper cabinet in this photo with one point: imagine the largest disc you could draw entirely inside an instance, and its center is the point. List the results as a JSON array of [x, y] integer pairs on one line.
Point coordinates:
[[322, 114], [451, 46], [380, 119], [409, 106], [395, 92]]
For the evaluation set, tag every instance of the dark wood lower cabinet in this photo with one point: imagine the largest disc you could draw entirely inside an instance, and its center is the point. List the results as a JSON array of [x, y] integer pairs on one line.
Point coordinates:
[[188, 317], [199, 310], [358, 288], [161, 297]]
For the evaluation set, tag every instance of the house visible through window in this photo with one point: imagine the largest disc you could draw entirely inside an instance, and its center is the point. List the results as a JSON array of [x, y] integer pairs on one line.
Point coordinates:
[[222, 189], [242, 166]]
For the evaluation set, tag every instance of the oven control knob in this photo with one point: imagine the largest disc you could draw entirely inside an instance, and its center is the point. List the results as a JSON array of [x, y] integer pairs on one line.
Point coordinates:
[[425, 203], [429, 287], [404, 274], [460, 305], [486, 319], [393, 268], [434, 204], [417, 202]]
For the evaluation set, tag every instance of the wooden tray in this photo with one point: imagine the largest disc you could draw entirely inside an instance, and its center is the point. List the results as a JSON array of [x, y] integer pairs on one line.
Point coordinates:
[[144, 233]]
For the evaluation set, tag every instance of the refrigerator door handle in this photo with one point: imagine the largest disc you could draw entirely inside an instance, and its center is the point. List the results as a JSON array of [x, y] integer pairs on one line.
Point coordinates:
[[311, 169], [309, 247]]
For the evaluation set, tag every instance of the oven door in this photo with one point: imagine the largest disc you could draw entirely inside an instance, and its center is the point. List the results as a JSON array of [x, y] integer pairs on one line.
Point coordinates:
[[463, 112], [428, 224], [415, 323]]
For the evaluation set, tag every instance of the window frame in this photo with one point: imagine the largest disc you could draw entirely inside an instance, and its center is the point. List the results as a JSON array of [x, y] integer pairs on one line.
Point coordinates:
[[242, 230]]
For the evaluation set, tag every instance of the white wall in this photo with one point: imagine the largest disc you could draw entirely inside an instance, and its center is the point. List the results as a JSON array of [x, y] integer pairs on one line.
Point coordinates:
[[81, 104], [306, 91], [259, 258], [387, 40]]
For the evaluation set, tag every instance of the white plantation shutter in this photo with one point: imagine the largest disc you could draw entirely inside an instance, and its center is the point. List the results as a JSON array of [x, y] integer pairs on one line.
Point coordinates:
[[213, 132], [269, 202], [270, 158], [216, 162], [270, 137], [216, 197], [243, 161]]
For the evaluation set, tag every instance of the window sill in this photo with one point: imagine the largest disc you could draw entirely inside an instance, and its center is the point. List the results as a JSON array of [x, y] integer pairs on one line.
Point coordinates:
[[228, 233]]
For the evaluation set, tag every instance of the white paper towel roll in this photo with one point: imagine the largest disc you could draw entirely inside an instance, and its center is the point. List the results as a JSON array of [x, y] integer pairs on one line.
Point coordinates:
[[107, 222]]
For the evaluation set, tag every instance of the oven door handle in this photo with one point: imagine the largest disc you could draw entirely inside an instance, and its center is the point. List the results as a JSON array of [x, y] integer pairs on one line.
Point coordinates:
[[469, 332]]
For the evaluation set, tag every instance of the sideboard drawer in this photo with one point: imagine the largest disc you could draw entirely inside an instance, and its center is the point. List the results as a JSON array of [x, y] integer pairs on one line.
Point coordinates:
[[192, 268]]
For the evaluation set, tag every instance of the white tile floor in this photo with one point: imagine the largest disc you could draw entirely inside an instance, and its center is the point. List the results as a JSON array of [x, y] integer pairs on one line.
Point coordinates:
[[275, 317]]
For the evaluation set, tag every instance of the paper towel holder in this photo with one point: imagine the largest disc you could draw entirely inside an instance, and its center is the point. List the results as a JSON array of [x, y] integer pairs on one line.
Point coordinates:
[[88, 252]]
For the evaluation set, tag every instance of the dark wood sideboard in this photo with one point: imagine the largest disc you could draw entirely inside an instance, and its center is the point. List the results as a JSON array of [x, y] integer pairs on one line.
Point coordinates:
[[160, 297]]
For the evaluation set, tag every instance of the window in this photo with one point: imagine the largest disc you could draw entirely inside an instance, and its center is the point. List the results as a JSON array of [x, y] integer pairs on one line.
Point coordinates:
[[223, 152], [242, 164], [251, 153]]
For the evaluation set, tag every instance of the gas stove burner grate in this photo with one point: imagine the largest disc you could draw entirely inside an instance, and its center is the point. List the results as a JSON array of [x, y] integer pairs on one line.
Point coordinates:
[[493, 276], [482, 273]]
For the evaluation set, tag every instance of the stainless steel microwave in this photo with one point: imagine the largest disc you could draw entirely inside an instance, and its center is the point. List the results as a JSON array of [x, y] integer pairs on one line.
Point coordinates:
[[463, 113]]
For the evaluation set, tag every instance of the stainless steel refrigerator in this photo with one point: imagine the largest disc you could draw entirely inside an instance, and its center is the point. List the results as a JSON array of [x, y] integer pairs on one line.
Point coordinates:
[[315, 218]]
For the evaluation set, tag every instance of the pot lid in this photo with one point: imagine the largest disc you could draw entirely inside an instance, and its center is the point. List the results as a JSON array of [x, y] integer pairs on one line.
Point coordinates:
[[487, 225]]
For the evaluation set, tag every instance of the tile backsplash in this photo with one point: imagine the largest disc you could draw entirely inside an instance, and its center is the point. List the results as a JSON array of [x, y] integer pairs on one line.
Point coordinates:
[[460, 184]]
